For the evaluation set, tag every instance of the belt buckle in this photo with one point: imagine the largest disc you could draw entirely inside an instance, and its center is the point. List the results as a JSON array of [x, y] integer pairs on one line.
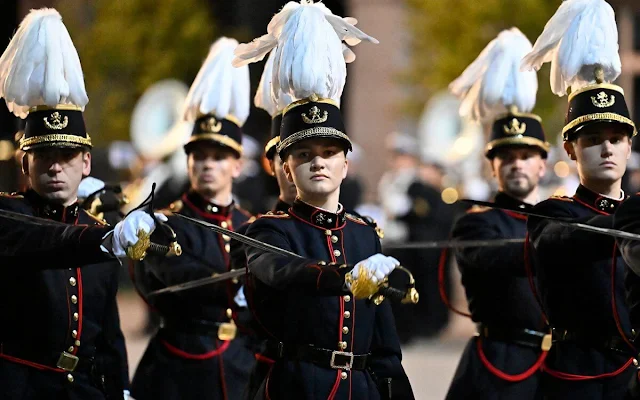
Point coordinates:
[[346, 366], [67, 361], [547, 341], [227, 331]]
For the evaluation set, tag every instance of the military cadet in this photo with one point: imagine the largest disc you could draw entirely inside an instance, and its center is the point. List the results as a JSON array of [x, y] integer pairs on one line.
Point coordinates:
[[503, 361], [328, 340], [581, 274], [194, 354], [58, 282]]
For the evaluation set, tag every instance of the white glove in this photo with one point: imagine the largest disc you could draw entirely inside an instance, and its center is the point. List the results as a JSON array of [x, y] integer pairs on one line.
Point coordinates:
[[125, 233], [378, 265], [239, 298], [88, 186], [127, 396]]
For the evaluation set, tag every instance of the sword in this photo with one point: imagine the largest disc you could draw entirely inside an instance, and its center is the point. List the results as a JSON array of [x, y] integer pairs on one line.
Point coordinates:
[[562, 221], [389, 292], [451, 244]]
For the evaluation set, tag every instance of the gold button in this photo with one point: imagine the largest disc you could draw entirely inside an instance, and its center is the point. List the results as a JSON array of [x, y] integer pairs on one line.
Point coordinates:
[[226, 238], [342, 345], [74, 334], [77, 343], [74, 299], [75, 316], [209, 207], [72, 281], [70, 349], [229, 313], [635, 362], [327, 232], [347, 298], [70, 378], [227, 248], [336, 253], [633, 332], [224, 224], [334, 239], [322, 263], [345, 330], [344, 375], [347, 314]]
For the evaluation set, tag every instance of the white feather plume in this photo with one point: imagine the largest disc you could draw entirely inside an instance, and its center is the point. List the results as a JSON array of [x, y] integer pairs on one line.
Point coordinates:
[[266, 98], [493, 82], [581, 36], [344, 27], [219, 88], [41, 65]]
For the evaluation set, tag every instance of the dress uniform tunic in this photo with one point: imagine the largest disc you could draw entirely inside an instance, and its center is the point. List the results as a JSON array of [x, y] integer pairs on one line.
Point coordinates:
[[186, 359], [581, 281], [316, 329], [61, 338], [510, 322]]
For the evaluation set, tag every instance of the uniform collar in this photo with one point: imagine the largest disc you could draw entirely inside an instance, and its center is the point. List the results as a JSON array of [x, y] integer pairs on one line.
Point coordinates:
[[46, 209], [198, 202], [281, 206], [504, 199], [597, 201], [317, 216]]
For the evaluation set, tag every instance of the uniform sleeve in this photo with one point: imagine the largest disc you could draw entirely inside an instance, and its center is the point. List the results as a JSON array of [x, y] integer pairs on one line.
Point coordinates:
[[548, 236], [507, 259], [627, 218], [291, 273], [48, 246], [116, 351], [191, 265]]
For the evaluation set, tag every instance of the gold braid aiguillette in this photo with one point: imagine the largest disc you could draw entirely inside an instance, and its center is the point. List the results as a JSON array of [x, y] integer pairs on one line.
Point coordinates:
[[362, 287], [138, 251]]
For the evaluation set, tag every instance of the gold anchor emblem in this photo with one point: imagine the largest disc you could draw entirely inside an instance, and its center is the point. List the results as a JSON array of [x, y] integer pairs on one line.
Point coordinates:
[[515, 127], [211, 125], [314, 112], [603, 100], [57, 122]]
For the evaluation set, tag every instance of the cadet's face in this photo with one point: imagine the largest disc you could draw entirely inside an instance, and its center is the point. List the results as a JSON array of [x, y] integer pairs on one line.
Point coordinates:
[[316, 166], [287, 188], [212, 169], [601, 152], [55, 173], [518, 170]]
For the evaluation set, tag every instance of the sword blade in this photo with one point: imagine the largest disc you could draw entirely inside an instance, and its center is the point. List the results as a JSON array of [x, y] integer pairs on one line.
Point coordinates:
[[452, 244], [563, 221], [240, 237], [29, 218], [225, 276]]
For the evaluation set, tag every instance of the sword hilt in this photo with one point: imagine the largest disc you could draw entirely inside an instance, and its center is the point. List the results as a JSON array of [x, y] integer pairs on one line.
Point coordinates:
[[409, 295]]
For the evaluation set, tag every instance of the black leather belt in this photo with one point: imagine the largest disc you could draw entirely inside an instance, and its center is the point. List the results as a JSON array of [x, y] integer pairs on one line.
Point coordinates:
[[614, 343], [321, 357], [54, 359], [523, 337]]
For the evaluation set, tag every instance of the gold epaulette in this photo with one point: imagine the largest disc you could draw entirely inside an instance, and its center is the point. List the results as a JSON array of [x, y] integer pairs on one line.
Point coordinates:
[[562, 198], [277, 214], [176, 206], [250, 220], [478, 209], [95, 218], [11, 195], [355, 219]]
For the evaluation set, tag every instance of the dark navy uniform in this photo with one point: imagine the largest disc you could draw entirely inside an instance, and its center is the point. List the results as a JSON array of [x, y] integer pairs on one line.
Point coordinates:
[[59, 289], [574, 269], [627, 219], [510, 322], [314, 325], [186, 359]]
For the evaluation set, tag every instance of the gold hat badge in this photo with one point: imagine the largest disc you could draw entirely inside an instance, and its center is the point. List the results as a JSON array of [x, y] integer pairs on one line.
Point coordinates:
[[515, 127], [55, 121], [603, 100], [211, 125], [314, 112]]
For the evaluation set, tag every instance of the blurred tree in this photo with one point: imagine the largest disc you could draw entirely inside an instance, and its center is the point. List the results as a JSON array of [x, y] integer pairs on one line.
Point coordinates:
[[446, 36], [126, 46]]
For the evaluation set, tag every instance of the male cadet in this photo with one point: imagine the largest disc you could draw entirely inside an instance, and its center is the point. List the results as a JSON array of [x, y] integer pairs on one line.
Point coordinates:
[[193, 355], [61, 338], [328, 340], [504, 360], [580, 273]]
